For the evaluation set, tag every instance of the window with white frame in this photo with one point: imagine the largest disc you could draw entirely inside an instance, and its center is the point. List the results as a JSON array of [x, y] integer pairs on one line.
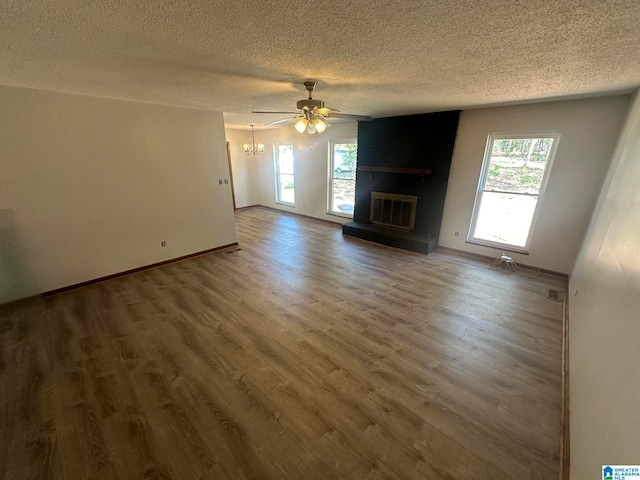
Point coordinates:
[[513, 179], [342, 176], [285, 191]]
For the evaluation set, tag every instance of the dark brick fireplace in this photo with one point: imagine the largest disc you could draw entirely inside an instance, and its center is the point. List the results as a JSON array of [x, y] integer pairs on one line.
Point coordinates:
[[408, 155]]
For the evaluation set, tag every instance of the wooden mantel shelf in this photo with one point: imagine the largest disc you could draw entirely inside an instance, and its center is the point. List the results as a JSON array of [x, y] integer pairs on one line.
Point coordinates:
[[407, 171]]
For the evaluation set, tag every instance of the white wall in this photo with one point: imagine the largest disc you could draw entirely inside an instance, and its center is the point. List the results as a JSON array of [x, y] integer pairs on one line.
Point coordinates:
[[256, 182], [589, 131], [604, 310], [245, 171], [94, 185]]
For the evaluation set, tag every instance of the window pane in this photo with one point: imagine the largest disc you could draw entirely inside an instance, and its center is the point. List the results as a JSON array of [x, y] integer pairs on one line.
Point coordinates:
[[344, 160], [284, 174], [342, 177], [505, 218], [513, 175], [518, 164], [343, 196], [286, 188], [285, 158]]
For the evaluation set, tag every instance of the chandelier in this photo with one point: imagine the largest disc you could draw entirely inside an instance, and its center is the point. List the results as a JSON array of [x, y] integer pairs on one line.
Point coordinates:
[[253, 148]]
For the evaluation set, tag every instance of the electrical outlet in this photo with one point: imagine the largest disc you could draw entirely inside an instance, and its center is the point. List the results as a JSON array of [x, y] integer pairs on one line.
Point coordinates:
[[220, 181], [226, 181], [163, 243], [457, 234]]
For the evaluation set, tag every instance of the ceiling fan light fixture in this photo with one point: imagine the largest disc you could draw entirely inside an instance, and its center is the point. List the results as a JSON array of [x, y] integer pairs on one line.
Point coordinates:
[[301, 125], [311, 127], [320, 125], [312, 114]]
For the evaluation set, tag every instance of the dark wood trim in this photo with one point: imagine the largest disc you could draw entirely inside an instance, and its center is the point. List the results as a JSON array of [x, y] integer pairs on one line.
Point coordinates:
[[488, 257], [406, 171], [135, 270], [246, 207], [421, 172], [565, 446]]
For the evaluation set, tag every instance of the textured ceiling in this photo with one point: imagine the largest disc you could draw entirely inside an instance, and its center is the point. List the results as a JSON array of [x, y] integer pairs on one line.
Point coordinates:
[[374, 57]]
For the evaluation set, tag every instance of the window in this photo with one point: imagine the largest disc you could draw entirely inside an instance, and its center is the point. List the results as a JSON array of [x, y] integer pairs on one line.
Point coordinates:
[[342, 177], [513, 178], [284, 174]]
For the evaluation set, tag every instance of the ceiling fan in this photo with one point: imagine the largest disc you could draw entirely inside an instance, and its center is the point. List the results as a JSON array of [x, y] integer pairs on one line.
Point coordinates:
[[313, 114]]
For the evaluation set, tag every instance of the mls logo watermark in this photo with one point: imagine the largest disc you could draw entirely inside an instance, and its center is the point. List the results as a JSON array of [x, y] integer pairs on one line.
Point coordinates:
[[620, 472]]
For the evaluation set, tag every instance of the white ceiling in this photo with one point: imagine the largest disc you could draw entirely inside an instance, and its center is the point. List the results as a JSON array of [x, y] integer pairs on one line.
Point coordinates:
[[374, 57]]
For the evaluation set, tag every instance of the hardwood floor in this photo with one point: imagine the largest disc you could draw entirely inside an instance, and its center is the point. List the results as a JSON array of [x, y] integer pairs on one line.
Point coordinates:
[[302, 355]]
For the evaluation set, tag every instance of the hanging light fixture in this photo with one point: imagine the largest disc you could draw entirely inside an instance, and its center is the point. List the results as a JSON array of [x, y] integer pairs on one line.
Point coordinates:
[[301, 125], [320, 125], [253, 148], [311, 123]]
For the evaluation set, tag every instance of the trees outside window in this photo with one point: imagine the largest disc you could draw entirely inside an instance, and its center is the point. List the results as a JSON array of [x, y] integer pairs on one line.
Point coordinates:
[[513, 178], [342, 176]]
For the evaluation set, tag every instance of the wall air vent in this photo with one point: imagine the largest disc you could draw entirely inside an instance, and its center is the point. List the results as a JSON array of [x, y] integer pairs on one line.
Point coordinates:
[[556, 295]]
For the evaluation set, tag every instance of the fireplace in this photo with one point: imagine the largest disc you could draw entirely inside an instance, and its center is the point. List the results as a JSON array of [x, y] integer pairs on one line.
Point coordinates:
[[401, 179], [393, 210]]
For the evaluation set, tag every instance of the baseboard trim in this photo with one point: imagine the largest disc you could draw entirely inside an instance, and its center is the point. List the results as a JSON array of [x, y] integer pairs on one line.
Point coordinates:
[[565, 446], [297, 214], [487, 257], [136, 270]]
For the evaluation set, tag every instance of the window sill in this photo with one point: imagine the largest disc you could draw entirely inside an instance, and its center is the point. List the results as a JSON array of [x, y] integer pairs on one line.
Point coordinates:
[[342, 215], [497, 246]]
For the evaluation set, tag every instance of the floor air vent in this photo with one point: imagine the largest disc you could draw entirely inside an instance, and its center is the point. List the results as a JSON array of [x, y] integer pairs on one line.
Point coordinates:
[[556, 295]]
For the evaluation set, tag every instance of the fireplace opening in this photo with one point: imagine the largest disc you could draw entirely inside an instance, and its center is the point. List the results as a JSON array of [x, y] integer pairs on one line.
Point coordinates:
[[393, 210]]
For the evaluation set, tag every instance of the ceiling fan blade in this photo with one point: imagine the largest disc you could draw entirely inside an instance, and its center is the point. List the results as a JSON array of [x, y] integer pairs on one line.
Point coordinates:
[[284, 120], [349, 116], [312, 110], [279, 113], [323, 111], [324, 119]]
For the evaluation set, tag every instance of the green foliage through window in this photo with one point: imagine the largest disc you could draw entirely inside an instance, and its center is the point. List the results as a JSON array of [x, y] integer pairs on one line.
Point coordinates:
[[508, 195], [342, 176]]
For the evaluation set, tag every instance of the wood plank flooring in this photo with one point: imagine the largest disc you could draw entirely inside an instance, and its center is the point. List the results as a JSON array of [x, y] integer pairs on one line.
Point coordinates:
[[302, 355]]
